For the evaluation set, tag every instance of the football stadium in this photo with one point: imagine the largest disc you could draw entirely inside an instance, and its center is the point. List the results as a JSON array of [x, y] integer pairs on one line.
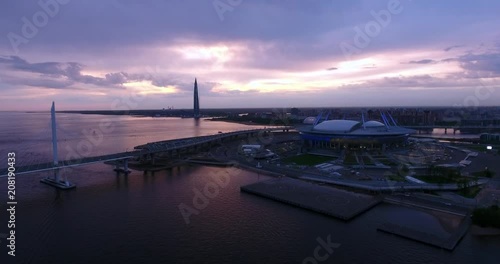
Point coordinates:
[[319, 132]]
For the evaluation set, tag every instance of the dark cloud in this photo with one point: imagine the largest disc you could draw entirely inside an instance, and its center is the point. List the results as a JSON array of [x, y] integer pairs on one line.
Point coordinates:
[[38, 82], [48, 68], [422, 82], [332, 69], [271, 39], [453, 47], [66, 74], [449, 60], [484, 65], [426, 61], [304, 32], [148, 22]]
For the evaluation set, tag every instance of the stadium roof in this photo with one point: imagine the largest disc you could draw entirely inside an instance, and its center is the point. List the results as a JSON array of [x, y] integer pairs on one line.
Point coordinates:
[[354, 128], [373, 123], [336, 126]]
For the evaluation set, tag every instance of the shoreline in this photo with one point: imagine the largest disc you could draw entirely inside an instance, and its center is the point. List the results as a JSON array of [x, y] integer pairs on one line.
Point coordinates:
[[484, 231], [248, 123], [271, 123]]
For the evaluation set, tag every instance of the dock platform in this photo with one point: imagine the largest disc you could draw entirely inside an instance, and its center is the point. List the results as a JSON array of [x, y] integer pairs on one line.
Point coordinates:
[[329, 201], [448, 243]]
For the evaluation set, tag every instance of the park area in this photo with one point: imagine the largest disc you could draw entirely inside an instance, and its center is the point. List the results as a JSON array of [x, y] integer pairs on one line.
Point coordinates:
[[308, 159]]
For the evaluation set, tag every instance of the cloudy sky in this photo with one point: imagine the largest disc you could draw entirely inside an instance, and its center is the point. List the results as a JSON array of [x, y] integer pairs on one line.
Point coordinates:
[[248, 53]]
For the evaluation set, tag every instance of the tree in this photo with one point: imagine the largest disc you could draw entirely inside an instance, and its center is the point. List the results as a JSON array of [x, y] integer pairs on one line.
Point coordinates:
[[432, 170], [487, 173], [405, 168], [487, 217], [476, 179]]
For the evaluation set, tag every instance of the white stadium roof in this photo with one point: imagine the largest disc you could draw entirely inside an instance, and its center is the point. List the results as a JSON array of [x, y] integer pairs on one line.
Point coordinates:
[[340, 127], [336, 126], [309, 120], [373, 123]]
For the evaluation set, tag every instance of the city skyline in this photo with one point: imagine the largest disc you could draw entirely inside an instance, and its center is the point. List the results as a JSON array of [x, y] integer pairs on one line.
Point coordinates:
[[253, 54]]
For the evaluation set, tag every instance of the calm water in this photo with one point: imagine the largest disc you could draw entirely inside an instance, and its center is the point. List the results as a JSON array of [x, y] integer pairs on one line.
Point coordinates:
[[441, 133], [136, 219]]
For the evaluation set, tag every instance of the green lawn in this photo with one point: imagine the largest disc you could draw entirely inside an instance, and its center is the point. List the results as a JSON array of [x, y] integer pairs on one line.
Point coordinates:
[[487, 217], [398, 178], [367, 160], [307, 159], [482, 174], [387, 162]]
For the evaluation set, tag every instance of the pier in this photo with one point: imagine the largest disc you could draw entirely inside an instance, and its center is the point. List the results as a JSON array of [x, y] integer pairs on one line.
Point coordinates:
[[332, 202], [455, 128], [448, 243], [433, 206], [388, 186]]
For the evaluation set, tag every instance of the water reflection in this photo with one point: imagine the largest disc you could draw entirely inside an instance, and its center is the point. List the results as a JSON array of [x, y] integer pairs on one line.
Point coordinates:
[[446, 133], [196, 127], [29, 134]]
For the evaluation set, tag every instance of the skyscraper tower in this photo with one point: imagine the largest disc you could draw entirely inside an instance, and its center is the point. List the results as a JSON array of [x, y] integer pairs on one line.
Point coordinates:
[[196, 100]]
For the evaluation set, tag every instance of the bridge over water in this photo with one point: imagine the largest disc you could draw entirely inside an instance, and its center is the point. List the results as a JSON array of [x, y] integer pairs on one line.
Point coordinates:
[[144, 152], [454, 128]]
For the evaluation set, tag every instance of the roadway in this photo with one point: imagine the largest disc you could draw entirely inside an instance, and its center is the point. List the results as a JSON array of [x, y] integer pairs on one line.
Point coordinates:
[[431, 202], [70, 163], [142, 150], [451, 127]]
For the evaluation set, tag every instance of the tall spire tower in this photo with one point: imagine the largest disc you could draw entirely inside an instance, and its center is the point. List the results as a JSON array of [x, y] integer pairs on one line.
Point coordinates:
[[196, 100]]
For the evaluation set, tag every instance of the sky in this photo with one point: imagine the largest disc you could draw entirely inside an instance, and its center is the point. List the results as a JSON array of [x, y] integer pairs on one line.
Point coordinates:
[[146, 54]]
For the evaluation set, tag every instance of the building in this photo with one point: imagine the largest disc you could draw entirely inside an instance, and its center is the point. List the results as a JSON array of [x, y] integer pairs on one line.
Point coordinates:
[[196, 105], [351, 134], [489, 138]]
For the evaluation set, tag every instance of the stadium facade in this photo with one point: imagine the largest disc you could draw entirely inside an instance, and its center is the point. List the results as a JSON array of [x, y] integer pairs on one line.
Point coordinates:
[[351, 134]]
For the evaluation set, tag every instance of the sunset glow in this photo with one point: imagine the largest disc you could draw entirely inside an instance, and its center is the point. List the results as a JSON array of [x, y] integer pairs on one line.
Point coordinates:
[[245, 59]]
